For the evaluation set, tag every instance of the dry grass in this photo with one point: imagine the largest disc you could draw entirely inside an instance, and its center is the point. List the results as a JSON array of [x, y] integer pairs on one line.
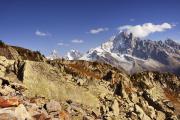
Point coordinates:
[[25, 54], [28, 54], [128, 89], [84, 71], [170, 95], [174, 99]]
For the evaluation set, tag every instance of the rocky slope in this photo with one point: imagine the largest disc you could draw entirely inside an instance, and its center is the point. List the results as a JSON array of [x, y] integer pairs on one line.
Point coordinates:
[[33, 88], [136, 55], [81, 90]]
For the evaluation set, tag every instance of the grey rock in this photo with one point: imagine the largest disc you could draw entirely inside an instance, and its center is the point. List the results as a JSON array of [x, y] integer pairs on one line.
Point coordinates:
[[115, 108], [6, 90], [133, 116], [53, 106], [141, 114], [22, 113], [133, 97], [81, 81], [160, 115], [169, 104], [88, 118], [151, 112]]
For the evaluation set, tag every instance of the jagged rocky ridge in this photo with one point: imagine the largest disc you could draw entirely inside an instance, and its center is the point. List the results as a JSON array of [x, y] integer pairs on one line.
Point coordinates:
[[82, 90], [136, 55]]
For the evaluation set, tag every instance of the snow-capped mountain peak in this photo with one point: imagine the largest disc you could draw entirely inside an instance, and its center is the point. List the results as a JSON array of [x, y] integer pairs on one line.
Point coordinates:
[[54, 55], [124, 42], [135, 54], [73, 55]]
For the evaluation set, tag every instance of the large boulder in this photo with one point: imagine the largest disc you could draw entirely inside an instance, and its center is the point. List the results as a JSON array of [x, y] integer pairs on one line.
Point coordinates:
[[44, 80]]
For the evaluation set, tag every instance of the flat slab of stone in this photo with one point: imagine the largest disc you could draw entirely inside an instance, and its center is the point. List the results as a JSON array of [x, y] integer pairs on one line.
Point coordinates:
[[43, 79]]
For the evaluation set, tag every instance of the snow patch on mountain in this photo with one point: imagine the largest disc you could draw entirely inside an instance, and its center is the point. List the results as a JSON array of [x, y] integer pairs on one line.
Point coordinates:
[[73, 55], [54, 55], [134, 54]]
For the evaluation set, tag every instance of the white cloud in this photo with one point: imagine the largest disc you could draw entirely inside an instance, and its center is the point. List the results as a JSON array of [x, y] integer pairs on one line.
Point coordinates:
[[174, 24], [98, 30], [77, 41], [39, 33], [145, 29], [62, 44], [132, 19]]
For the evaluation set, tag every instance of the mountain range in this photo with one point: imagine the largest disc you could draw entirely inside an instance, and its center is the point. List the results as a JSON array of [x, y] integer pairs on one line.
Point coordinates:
[[134, 54]]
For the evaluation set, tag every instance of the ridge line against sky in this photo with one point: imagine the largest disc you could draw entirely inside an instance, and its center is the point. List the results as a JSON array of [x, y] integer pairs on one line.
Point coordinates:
[[83, 24]]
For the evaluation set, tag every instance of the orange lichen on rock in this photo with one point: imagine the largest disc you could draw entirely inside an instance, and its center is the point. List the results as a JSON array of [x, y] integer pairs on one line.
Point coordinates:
[[8, 102], [64, 115]]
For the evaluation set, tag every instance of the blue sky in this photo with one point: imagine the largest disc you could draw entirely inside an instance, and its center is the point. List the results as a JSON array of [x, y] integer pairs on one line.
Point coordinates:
[[45, 25]]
